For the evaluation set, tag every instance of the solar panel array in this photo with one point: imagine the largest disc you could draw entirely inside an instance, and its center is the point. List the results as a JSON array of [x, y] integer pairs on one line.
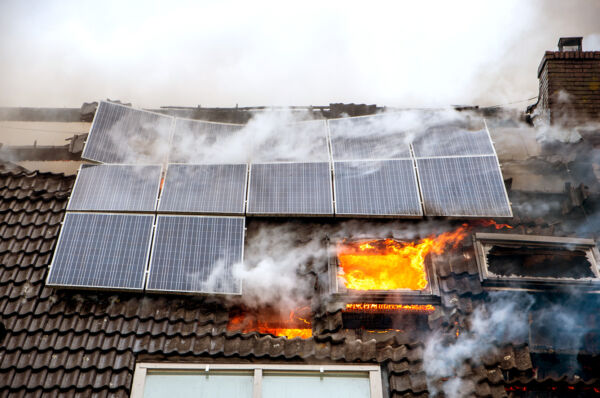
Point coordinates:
[[290, 189], [205, 188], [121, 134], [385, 188], [102, 251], [361, 167], [116, 188], [195, 254]]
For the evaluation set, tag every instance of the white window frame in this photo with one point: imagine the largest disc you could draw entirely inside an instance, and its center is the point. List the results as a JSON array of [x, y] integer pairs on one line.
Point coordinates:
[[144, 368]]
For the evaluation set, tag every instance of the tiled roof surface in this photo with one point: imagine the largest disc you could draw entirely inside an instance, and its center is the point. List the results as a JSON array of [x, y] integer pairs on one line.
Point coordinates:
[[71, 343]]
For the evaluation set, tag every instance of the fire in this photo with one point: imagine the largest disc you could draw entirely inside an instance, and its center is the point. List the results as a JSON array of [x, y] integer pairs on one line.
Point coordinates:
[[492, 223], [293, 326], [389, 264], [370, 307]]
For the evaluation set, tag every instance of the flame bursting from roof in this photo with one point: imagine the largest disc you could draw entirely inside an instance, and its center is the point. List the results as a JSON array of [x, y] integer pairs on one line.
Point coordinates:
[[374, 307], [389, 264], [295, 325]]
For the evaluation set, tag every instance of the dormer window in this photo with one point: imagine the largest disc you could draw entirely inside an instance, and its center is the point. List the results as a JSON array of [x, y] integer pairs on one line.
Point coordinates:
[[536, 261]]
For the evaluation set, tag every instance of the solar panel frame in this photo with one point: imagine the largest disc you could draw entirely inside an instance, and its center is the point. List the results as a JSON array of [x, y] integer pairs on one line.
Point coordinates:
[[210, 134], [68, 216], [426, 189], [250, 211], [170, 210], [120, 155], [355, 150], [418, 205], [93, 208], [151, 265]]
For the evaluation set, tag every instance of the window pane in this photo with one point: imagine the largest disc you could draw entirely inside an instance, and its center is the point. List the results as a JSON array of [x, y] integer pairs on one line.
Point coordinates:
[[314, 385], [198, 385]]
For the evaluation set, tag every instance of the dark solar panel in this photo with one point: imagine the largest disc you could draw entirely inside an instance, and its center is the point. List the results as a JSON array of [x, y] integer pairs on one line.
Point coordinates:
[[376, 188], [195, 254], [368, 138], [290, 189], [452, 140], [196, 141], [121, 134], [463, 186], [116, 188], [205, 188], [102, 251]]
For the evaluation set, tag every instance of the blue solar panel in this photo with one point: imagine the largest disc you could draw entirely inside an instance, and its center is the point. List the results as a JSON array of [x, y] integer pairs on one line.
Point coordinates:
[[116, 188], [198, 141], [196, 254], [369, 138], [290, 189], [452, 140], [463, 186], [107, 251], [205, 188], [376, 188], [121, 134]]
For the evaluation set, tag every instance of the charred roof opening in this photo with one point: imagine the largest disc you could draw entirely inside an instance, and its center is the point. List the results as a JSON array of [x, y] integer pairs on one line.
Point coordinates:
[[539, 260]]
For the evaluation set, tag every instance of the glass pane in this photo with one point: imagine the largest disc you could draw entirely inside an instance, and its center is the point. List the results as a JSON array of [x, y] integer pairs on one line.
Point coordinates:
[[198, 385], [315, 385]]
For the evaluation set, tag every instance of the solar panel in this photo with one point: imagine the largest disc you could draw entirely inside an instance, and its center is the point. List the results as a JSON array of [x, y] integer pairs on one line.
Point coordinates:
[[304, 141], [376, 188], [196, 141], [196, 254], [463, 186], [121, 134], [290, 189], [116, 188], [368, 138], [205, 188], [102, 251], [452, 140]]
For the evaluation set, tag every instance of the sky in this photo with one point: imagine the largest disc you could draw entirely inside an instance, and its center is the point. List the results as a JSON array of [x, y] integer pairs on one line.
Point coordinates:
[[275, 53]]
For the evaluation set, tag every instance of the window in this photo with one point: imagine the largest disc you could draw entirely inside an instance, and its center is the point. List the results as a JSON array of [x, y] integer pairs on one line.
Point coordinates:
[[542, 261], [158, 380]]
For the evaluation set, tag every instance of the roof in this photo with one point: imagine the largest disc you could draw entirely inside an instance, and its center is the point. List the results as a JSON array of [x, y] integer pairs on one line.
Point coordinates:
[[73, 343]]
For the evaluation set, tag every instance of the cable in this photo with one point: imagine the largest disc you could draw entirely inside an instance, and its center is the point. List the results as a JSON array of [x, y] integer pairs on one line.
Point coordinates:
[[511, 103]]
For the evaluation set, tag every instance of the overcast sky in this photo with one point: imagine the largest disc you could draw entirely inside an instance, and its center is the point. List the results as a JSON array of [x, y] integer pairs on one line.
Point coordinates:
[[223, 53]]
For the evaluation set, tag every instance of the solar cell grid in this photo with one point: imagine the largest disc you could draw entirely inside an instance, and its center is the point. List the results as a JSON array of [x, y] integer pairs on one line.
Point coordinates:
[[196, 254], [463, 186], [367, 138], [121, 134], [452, 141], [376, 188], [107, 251], [290, 189], [205, 188], [116, 188], [196, 141]]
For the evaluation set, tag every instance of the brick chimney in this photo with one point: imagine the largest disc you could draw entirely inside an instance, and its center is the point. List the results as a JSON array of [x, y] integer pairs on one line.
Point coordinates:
[[569, 85]]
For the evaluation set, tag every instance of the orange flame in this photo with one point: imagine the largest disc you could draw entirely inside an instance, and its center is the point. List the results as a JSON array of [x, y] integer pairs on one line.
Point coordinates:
[[373, 307], [293, 326], [492, 223], [389, 264]]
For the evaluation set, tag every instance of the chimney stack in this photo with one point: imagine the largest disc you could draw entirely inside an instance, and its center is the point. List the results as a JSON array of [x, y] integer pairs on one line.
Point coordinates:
[[569, 93]]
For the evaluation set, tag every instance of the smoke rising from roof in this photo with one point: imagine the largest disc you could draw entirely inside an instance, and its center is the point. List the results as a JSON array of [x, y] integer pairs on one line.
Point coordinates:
[[271, 53]]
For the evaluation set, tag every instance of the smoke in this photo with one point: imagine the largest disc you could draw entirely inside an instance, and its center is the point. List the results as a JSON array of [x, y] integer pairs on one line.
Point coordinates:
[[501, 321], [398, 54]]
